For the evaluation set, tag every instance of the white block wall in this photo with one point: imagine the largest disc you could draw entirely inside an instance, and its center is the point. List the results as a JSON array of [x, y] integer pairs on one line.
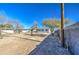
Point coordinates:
[[72, 40], [11, 31], [8, 31]]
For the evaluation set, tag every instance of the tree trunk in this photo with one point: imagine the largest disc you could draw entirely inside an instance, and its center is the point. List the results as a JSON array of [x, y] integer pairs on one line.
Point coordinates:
[[31, 32], [1, 34], [52, 29]]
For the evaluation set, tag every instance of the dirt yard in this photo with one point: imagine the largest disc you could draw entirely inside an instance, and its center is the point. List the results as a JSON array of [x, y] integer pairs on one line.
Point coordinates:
[[19, 44]]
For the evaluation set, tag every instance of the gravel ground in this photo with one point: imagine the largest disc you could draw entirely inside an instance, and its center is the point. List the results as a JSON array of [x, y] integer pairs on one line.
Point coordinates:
[[50, 46], [18, 44]]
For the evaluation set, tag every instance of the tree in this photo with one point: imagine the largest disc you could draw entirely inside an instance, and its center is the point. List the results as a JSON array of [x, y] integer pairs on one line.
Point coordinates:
[[18, 28], [34, 27], [2, 19], [35, 24], [50, 24], [7, 26], [54, 23], [1, 26]]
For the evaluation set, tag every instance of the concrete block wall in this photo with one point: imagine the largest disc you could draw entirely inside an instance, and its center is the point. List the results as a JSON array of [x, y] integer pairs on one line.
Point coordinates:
[[72, 40], [8, 31], [72, 37]]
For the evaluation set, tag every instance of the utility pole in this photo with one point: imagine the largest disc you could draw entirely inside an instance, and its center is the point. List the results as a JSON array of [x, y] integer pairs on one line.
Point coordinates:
[[62, 25]]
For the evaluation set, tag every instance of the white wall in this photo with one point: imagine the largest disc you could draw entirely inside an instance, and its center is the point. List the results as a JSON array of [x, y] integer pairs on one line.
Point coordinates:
[[24, 31], [11, 31], [8, 31], [72, 39]]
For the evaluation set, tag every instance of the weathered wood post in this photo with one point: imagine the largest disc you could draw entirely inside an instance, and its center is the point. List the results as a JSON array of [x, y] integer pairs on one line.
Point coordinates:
[[62, 25]]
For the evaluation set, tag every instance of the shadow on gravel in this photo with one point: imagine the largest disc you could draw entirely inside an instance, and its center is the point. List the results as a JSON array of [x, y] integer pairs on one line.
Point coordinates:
[[40, 35], [50, 46], [27, 39]]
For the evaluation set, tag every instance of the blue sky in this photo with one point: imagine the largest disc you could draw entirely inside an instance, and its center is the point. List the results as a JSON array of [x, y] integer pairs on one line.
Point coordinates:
[[28, 13]]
